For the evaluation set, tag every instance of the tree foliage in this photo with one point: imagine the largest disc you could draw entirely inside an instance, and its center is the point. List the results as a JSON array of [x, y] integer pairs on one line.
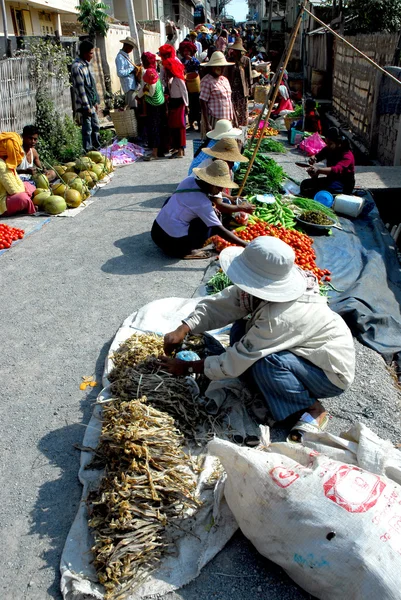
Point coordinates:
[[375, 15], [93, 18], [369, 16]]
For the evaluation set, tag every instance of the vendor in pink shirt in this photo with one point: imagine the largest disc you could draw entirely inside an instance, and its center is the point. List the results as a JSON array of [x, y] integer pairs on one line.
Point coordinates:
[[339, 172], [284, 103]]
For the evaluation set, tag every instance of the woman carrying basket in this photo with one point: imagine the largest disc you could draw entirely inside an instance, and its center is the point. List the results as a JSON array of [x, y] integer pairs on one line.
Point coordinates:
[[187, 51]]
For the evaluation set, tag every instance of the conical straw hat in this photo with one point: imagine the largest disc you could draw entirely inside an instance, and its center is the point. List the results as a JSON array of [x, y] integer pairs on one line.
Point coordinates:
[[226, 149], [217, 174]]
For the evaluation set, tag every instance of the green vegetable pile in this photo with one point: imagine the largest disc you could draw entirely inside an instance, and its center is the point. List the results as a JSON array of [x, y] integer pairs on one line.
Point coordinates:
[[317, 217], [218, 283], [265, 177], [306, 204], [269, 145], [275, 213], [297, 112]]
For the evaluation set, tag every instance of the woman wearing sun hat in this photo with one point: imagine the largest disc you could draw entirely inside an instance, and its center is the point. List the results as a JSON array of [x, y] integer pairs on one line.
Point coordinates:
[[240, 78], [223, 129], [215, 94], [285, 338], [188, 218]]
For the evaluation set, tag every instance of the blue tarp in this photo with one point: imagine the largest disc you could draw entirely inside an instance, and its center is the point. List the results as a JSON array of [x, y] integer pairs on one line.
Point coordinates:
[[365, 266]]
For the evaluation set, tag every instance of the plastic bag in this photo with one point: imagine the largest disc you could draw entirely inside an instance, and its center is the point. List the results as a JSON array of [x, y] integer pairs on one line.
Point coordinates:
[[312, 145], [333, 526]]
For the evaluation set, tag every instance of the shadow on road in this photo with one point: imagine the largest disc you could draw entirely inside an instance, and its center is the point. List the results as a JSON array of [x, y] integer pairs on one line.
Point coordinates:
[[151, 203], [140, 255], [58, 500], [167, 188]]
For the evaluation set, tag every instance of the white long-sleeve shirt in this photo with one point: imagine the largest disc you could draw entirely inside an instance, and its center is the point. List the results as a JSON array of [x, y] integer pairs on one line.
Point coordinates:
[[307, 327], [178, 89]]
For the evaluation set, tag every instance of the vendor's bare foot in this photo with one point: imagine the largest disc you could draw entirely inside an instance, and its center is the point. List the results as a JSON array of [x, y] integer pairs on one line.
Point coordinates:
[[200, 254], [318, 412]]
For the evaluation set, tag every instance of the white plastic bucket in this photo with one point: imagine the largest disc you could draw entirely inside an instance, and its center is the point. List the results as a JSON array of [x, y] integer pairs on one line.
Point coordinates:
[[348, 205]]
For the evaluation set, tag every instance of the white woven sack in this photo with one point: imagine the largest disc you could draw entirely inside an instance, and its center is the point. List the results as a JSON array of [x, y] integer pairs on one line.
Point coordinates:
[[334, 527]]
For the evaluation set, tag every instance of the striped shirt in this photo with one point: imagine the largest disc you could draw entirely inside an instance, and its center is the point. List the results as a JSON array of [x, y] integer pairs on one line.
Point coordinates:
[[217, 93], [84, 85]]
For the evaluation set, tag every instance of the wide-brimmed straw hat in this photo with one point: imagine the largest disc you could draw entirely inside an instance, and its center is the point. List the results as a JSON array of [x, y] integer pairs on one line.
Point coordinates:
[[217, 174], [130, 41], [224, 129], [217, 60], [226, 149], [237, 45], [265, 269], [203, 29]]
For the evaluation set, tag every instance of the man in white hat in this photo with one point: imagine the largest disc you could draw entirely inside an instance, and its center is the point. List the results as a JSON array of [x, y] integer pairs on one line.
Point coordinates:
[[126, 71], [293, 348]]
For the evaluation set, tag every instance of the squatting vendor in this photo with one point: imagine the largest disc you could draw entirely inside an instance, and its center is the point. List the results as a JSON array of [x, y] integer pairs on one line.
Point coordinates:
[[286, 341], [339, 174], [188, 217]]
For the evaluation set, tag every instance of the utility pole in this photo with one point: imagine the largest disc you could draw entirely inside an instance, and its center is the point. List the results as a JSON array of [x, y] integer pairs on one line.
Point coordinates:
[[5, 26], [132, 26]]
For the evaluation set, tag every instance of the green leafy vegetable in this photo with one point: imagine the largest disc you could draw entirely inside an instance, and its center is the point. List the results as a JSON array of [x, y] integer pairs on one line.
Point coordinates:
[[269, 145], [218, 283], [306, 204]]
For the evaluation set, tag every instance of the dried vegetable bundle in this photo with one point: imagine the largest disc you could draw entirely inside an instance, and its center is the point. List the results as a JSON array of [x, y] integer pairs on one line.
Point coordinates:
[[136, 373], [147, 487]]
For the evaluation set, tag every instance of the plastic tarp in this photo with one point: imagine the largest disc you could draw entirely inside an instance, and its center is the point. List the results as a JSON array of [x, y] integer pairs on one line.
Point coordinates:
[[365, 267]]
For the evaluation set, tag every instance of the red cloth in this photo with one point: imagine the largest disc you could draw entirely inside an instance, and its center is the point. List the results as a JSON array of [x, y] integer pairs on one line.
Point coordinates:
[[176, 124], [345, 165], [150, 76], [21, 202], [186, 45], [174, 67], [167, 51], [283, 105], [148, 60]]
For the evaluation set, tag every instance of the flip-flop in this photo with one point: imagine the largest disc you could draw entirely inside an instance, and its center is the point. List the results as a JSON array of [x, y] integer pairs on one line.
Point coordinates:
[[306, 424], [176, 156], [149, 158], [202, 255]]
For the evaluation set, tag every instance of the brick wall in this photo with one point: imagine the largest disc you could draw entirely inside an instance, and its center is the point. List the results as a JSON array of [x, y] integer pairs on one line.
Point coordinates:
[[354, 79], [387, 134]]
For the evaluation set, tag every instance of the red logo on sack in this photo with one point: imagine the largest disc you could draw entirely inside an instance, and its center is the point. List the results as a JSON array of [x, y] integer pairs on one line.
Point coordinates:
[[283, 477], [355, 490]]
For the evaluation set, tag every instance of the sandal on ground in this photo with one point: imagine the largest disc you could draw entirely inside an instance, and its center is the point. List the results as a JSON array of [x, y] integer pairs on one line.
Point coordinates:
[[200, 255], [307, 424], [149, 158], [176, 155]]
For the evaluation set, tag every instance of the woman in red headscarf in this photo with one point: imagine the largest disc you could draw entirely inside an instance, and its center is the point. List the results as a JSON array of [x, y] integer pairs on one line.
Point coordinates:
[[187, 51], [177, 105]]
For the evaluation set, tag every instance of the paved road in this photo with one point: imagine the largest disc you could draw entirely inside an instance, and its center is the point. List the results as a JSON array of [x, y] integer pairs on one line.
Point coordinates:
[[64, 292]]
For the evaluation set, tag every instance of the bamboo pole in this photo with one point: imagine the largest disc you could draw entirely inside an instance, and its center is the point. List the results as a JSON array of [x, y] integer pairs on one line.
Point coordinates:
[[274, 96], [340, 37]]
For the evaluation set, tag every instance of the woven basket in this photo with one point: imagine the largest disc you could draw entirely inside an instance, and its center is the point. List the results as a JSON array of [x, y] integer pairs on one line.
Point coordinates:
[[288, 121], [260, 93], [124, 122], [193, 82]]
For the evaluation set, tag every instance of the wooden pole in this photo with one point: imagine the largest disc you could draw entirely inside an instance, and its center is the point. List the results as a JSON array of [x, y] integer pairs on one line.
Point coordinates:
[[340, 37], [274, 96]]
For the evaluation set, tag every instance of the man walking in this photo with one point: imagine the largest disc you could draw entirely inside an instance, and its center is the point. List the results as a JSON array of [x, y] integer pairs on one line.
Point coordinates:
[[126, 71], [86, 96]]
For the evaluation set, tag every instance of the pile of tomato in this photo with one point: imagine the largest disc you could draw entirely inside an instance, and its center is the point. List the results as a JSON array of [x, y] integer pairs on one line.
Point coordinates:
[[8, 235], [301, 244]]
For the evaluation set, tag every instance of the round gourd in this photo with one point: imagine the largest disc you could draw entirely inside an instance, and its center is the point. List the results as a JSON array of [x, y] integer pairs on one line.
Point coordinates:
[[54, 205]]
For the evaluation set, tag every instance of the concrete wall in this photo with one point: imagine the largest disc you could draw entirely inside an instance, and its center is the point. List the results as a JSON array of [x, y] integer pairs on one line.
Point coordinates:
[[113, 46]]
